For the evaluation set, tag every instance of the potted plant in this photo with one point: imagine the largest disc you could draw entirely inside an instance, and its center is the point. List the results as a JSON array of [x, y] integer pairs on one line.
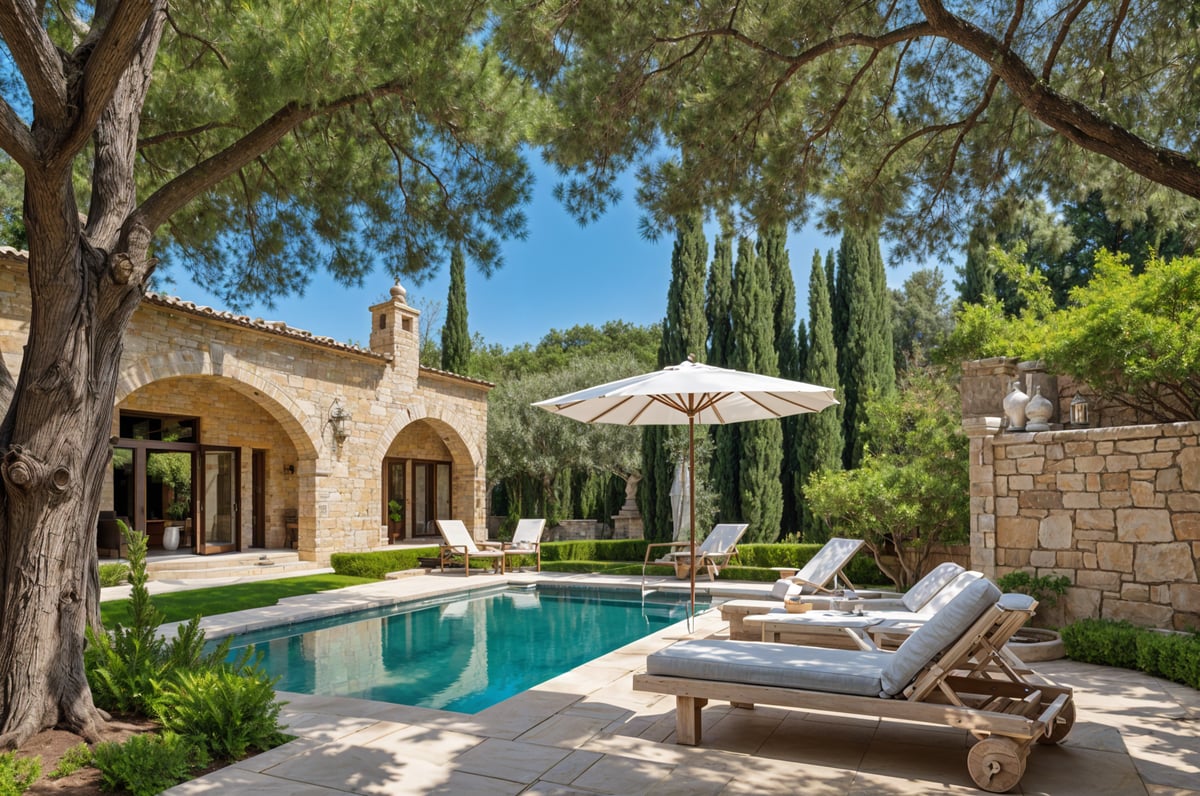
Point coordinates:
[[395, 510]]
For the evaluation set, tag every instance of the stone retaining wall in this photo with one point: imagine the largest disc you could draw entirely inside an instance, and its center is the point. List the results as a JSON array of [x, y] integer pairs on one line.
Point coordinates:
[[1116, 510]]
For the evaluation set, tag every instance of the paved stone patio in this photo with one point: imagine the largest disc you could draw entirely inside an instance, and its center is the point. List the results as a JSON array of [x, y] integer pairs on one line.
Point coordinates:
[[588, 732]]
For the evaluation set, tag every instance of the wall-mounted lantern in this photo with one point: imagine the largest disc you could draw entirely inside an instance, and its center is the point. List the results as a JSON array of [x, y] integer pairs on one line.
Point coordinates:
[[339, 421]]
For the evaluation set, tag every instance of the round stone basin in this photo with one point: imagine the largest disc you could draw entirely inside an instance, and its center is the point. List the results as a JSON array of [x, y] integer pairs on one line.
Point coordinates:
[[1032, 644]]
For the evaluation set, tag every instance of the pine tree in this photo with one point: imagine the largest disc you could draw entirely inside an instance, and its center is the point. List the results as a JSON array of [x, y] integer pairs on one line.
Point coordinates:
[[456, 340], [684, 332], [978, 278], [772, 247], [759, 442], [865, 361], [819, 444]]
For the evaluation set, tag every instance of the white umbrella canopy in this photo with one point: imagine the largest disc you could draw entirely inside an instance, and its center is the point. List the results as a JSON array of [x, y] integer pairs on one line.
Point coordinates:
[[691, 393]]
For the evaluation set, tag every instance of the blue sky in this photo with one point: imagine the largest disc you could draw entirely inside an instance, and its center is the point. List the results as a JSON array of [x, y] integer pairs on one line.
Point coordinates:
[[561, 275]]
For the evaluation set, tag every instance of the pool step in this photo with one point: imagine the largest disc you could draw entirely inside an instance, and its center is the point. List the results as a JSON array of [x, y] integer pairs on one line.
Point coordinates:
[[228, 565]]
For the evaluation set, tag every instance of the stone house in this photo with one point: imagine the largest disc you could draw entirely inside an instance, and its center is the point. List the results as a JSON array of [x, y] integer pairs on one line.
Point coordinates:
[[287, 439]]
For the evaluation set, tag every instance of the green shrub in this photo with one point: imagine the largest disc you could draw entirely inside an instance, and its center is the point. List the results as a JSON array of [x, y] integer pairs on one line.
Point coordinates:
[[113, 574], [1102, 641], [148, 764], [1046, 589], [127, 666], [377, 564], [73, 759], [1173, 656], [17, 774], [227, 711]]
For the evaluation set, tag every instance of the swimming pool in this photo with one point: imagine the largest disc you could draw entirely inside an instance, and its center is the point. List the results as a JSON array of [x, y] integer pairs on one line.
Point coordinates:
[[460, 653]]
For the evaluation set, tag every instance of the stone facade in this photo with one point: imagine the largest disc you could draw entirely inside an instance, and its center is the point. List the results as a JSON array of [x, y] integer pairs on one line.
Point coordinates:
[[1116, 510], [264, 387]]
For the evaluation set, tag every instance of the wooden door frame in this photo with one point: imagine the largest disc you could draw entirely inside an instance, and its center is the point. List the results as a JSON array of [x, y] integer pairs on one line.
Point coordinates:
[[199, 482]]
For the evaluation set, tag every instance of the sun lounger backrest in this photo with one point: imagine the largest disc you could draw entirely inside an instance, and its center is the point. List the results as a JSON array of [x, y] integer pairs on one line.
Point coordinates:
[[528, 533], [829, 560], [949, 592], [939, 632], [721, 538], [915, 598], [456, 534]]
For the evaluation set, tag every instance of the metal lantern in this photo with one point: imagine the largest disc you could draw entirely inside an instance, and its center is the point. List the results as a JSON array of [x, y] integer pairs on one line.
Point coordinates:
[[1079, 411]]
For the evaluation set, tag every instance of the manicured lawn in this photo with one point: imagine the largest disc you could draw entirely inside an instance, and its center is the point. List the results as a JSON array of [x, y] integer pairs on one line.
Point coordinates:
[[182, 605]]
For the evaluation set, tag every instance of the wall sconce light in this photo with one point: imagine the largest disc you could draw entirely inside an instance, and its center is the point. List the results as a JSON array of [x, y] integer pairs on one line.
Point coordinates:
[[1079, 411], [289, 469], [339, 420]]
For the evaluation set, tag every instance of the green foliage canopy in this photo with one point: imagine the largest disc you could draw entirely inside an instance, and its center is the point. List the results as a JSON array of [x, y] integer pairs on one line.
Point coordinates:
[[911, 489], [917, 111]]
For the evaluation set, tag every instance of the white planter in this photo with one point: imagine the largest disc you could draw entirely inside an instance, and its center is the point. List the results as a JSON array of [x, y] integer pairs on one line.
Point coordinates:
[[171, 537]]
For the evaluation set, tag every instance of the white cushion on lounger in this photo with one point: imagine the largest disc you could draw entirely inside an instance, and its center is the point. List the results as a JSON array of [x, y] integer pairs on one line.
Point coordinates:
[[949, 592], [941, 630], [783, 665], [931, 584], [1016, 602]]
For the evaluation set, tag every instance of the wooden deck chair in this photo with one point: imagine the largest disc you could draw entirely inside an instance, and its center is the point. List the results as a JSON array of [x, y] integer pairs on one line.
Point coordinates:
[[457, 543], [825, 566], [814, 627], [716, 551], [526, 540], [927, 595], [951, 671]]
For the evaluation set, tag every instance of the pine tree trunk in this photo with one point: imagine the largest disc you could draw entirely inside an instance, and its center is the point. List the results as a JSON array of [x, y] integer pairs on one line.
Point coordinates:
[[85, 280], [55, 457]]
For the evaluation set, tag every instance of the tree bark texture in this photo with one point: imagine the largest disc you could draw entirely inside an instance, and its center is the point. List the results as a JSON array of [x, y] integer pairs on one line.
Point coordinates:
[[85, 280]]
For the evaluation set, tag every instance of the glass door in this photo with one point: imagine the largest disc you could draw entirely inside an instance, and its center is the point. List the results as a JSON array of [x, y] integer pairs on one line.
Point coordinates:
[[430, 496], [218, 494]]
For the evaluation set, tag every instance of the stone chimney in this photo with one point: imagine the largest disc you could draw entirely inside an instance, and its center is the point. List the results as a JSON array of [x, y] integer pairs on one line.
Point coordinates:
[[395, 330]]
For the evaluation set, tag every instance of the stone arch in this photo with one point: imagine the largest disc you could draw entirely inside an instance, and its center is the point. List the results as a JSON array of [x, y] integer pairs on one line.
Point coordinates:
[[436, 417], [280, 405]]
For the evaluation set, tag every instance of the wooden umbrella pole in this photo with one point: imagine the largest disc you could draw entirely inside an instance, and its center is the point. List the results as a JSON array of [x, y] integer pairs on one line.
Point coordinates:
[[692, 512]]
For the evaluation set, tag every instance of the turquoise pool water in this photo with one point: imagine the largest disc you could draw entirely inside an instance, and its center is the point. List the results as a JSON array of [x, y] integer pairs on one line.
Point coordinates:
[[461, 653]]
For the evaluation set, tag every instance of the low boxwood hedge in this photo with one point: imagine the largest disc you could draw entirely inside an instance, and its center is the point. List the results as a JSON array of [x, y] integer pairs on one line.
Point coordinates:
[[615, 556], [1172, 656]]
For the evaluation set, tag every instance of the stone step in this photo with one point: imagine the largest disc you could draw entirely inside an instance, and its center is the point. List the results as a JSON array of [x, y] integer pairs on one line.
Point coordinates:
[[241, 565]]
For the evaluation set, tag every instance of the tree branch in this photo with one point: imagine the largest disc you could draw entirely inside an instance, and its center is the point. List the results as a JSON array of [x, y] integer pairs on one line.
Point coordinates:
[[15, 137], [1060, 39], [36, 57], [1070, 118], [106, 62], [160, 205]]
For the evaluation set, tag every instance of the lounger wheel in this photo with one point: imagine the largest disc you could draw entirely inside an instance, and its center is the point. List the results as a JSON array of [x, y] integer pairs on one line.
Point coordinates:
[[996, 764], [1061, 725]]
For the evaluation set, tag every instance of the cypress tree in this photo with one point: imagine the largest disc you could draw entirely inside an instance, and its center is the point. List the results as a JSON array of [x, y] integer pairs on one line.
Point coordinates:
[[456, 340], [759, 442], [772, 247], [684, 332], [866, 360], [819, 443], [978, 280], [719, 304], [719, 310]]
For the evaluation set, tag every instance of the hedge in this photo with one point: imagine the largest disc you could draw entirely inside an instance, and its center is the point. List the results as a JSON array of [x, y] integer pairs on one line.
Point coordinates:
[[1172, 656], [616, 556]]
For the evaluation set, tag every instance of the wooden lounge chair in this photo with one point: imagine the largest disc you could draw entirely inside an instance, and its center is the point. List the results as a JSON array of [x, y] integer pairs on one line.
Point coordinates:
[[526, 540], [457, 543], [950, 671], [915, 599], [716, 551]]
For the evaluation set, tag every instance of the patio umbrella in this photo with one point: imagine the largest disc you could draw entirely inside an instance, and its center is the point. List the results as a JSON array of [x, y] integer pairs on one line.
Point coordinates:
[[691, 393]]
